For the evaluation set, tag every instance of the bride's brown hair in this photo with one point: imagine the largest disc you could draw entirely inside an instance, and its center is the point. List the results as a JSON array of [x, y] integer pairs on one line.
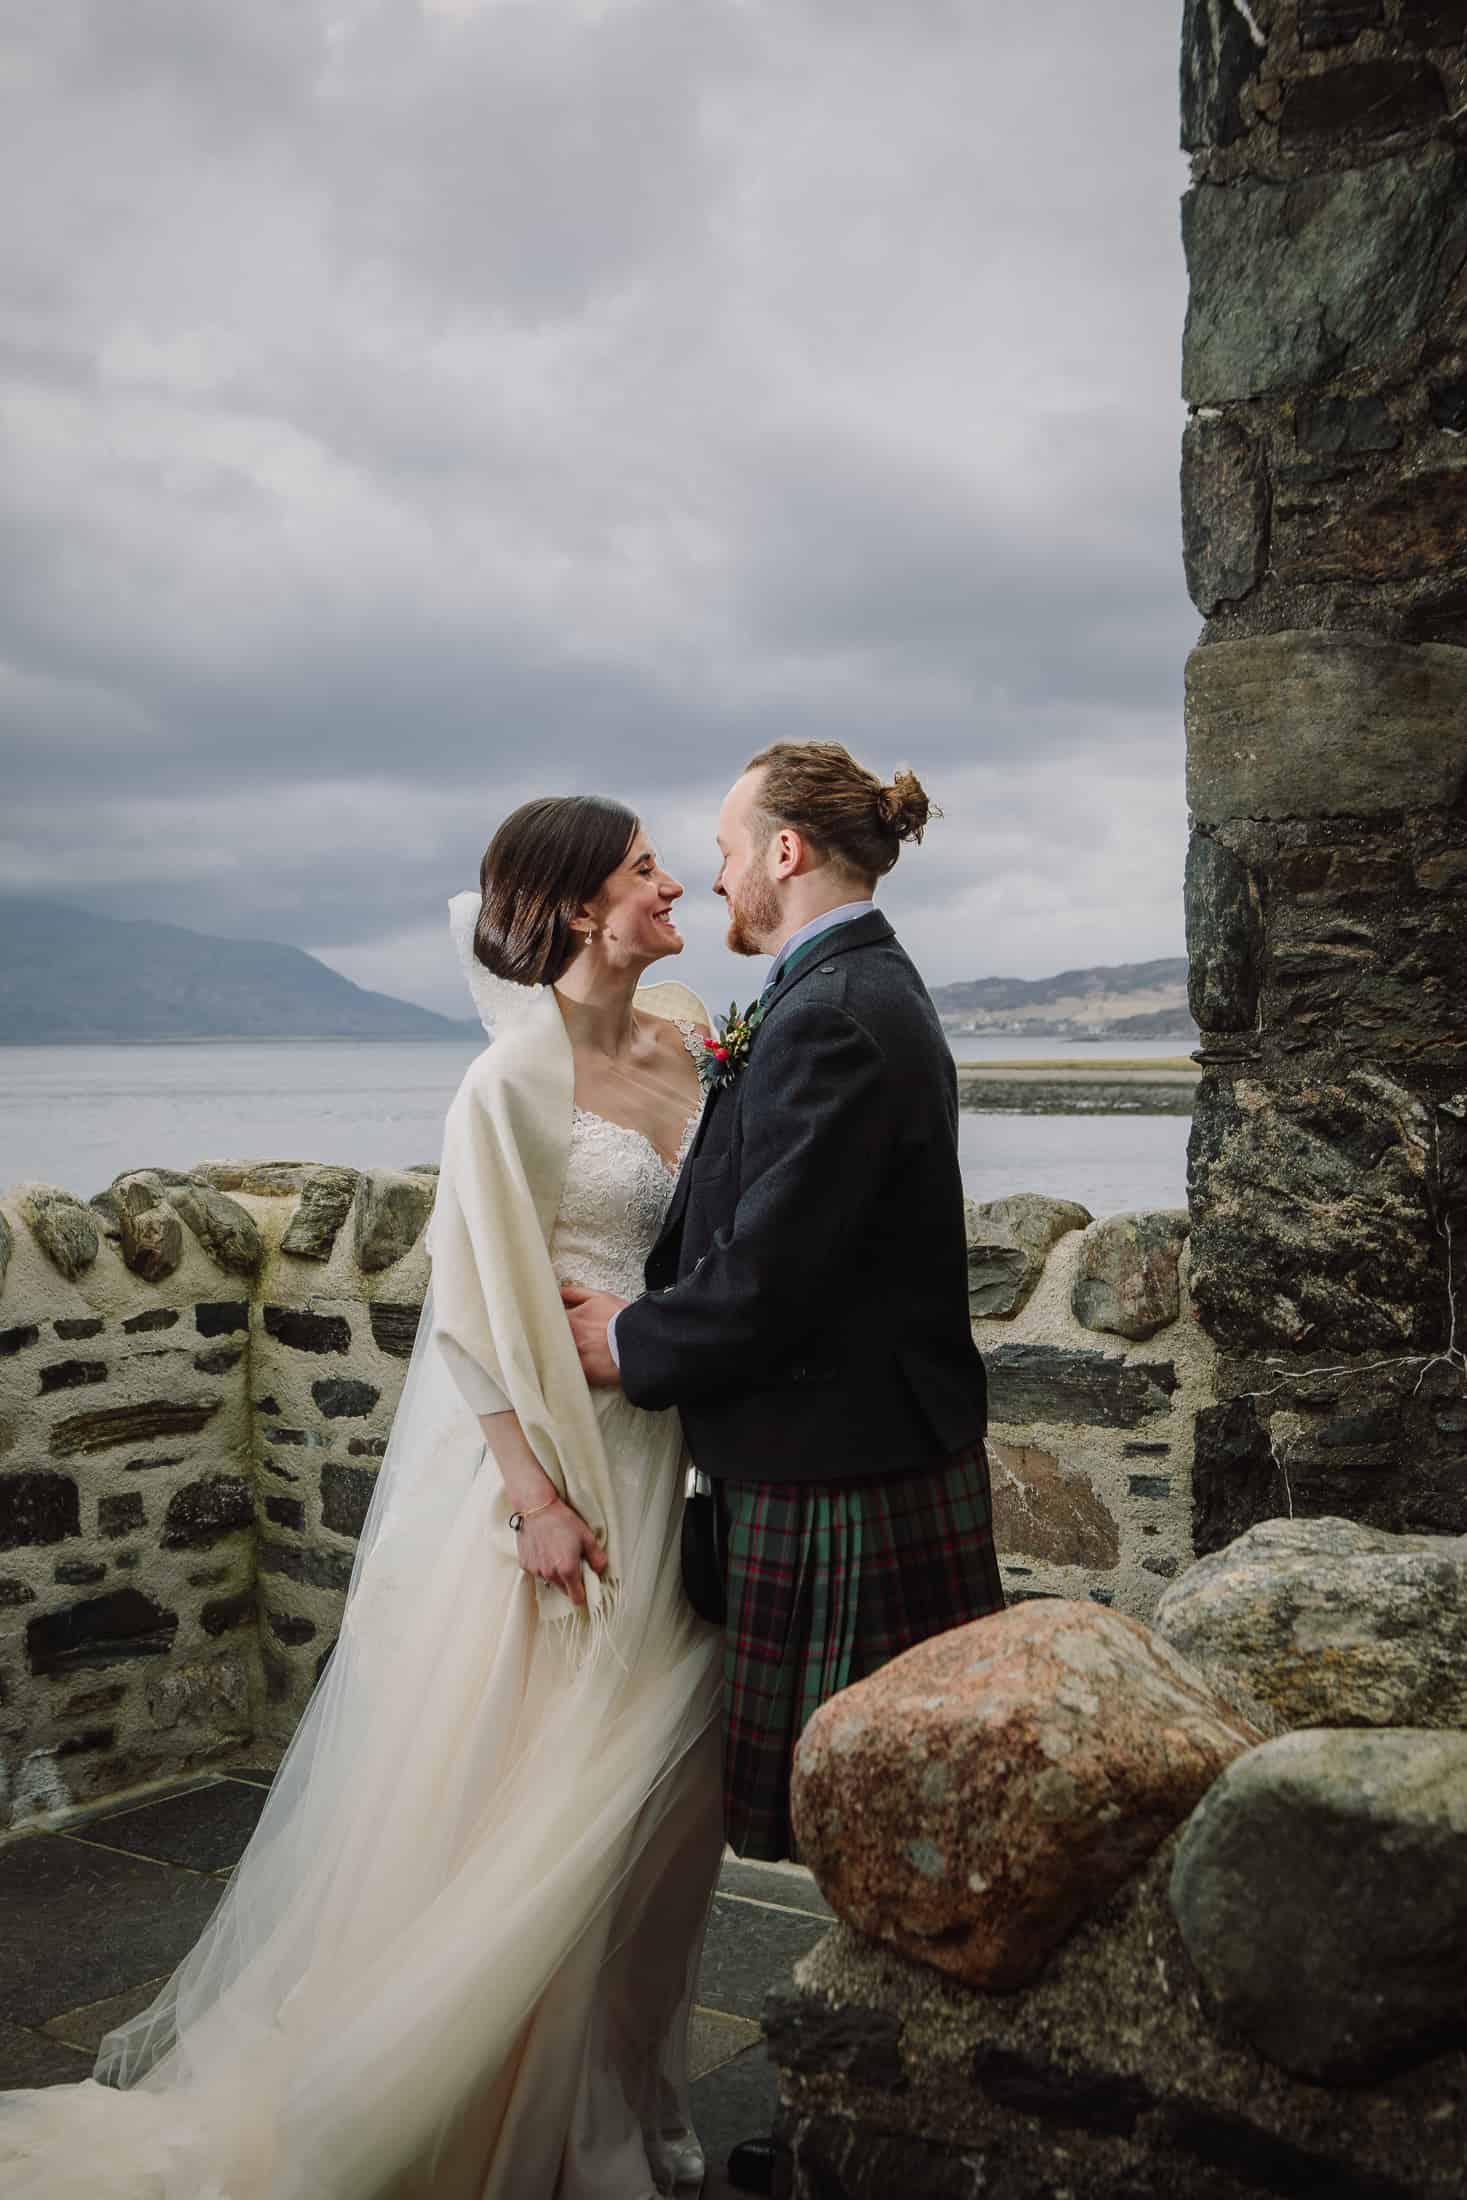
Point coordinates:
[[844, 811], [547, 860]]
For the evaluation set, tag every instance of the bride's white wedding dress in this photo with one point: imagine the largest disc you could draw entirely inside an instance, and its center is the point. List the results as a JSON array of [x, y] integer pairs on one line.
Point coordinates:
[[457, 1958]]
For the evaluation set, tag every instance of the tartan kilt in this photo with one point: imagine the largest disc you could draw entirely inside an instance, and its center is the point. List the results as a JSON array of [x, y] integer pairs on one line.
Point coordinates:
[[826, 1582]]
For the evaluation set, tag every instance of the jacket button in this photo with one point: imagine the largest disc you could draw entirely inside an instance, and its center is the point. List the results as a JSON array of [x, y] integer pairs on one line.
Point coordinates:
[[827, 970]]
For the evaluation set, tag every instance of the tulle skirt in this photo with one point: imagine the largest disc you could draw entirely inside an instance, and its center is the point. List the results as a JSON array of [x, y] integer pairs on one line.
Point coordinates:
[[457, 1956]]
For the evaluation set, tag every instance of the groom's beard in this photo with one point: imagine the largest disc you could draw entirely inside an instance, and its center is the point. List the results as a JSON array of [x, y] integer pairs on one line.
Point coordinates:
[[753, 917]]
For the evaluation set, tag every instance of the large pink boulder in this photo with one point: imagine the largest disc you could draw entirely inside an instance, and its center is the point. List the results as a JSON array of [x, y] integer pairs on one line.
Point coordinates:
[[977, 1797]]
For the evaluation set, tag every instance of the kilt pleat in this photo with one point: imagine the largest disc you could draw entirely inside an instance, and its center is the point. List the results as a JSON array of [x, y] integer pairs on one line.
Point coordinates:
[[826, 1582]]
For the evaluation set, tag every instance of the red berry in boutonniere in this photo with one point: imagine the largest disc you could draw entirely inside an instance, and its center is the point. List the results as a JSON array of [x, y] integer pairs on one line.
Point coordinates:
[[724, 1056]]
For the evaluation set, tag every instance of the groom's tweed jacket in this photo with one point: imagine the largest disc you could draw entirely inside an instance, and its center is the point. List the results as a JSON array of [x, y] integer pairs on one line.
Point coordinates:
[[807, 1300]]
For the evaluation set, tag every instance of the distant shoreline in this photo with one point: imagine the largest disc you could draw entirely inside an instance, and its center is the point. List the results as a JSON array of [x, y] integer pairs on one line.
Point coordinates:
[[1170, 1069]]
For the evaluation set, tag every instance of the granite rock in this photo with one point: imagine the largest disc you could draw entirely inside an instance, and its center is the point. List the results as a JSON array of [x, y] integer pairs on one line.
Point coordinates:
[[1224, 937], [1127, 1280], [1041, 1512], [972, 1800], [1220, 56], [1307, 724], [151, 1234], [1225, 509], [1295, 282], [1331, 1624], [62, 1226], [325, 1203], [392, 1208], [1031, 1383], [1362, 99], [1312, 1220], [1009, 1241], [1321, 1890], [1336, 22], [227, 1231]]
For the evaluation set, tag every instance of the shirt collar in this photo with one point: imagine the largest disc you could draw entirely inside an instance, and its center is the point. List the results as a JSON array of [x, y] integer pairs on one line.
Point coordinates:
[[846, 914]]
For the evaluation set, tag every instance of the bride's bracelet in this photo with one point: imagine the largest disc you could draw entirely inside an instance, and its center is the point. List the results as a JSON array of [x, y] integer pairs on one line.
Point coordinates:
[[518, 1519]]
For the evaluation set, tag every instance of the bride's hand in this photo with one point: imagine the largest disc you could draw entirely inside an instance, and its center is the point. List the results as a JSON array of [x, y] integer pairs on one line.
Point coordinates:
[[553, 1546]]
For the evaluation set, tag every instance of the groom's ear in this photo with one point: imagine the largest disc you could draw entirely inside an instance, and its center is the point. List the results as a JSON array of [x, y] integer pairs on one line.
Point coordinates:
[[787, 851]]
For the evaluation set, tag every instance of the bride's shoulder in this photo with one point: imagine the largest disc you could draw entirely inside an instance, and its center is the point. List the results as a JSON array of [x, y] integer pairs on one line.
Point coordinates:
[[676, 1004]]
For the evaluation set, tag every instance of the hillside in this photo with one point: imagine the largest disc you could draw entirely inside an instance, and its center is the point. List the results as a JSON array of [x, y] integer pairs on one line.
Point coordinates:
[[67, 976], [1113, 1001]]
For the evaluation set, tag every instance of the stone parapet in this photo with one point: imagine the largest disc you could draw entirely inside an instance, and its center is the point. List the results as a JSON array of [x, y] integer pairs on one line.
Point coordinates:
[[1096, 1379], [198, 1372]]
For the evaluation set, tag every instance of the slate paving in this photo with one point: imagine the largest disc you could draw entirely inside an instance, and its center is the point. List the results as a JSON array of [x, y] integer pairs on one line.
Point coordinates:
[[97, 1909]]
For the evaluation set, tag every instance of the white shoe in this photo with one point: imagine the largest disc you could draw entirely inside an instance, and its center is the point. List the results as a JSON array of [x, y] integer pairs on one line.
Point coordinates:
[[676, 2160]]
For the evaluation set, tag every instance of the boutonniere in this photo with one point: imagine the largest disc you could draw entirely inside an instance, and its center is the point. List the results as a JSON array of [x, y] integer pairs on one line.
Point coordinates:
[[725, 1054]]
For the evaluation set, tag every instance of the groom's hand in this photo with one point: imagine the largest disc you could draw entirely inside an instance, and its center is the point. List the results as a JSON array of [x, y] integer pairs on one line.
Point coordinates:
[[588, 1313]]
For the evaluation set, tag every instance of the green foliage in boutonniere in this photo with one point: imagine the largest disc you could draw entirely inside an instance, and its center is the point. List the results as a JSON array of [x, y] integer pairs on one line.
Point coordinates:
[[725, 1054]]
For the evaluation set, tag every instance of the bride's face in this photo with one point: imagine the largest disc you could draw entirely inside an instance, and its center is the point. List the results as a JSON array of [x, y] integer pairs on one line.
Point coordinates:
[[633, 911]]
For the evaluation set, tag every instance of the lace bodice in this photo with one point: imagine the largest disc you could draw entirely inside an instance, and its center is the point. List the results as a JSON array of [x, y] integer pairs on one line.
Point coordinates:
[[617, 1192]]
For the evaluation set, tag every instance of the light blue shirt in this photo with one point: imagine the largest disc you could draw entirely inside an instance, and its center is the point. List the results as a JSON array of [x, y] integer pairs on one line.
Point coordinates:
[[825, 922]]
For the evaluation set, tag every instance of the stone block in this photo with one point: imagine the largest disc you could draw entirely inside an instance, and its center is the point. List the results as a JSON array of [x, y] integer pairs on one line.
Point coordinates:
[[285, 1512], [1292, 283], [222, 1317], [1225, 508], [72, 1328], [226, 1230], [210, 1693], [221, 1361], [1311, 1216], [1044, 1513], [1321, 1889], [1224, 937], [289, 1628], [1361, 100], [18, 1339], [1306, 724], [1345, 427], [13, 1592], [303, 1331], [151, 1235], [346, 1493], [1331, 1624], [1336, 22], [112, 1426], [1236, 1481], [221, 1614], [37, 1508], [1434, 22], [100, 1631], [972, 1800], [202, 1513], [1412, 531], [316, 1569], [1220, 57], [62, 1226], [341, 1398], [264, 1179], [1030, 1383], [120, 1515], [1009, 1241], [152, 1319], [1127, 1281], [78, 1573], [71, 1375], [390, 1214], [395, 1327], [325, 1202]]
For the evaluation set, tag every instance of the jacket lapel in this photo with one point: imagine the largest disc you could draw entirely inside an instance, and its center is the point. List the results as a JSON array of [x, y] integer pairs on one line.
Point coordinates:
[[842, 940]]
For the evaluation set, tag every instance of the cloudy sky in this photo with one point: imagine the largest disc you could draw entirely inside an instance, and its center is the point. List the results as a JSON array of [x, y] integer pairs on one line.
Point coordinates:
[[413, 405]]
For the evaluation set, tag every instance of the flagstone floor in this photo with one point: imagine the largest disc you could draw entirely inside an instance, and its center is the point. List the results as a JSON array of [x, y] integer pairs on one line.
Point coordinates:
[[96, 1911]]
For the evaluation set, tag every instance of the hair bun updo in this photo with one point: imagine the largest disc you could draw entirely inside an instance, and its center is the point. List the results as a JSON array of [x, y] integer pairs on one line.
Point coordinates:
[[904, 806]]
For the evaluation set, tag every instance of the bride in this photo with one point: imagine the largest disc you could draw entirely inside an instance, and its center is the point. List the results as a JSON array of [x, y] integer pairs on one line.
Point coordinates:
[[457, 1957]]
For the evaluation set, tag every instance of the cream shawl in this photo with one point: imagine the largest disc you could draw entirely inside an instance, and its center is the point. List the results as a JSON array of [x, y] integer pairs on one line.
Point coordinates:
[[495, 1297]]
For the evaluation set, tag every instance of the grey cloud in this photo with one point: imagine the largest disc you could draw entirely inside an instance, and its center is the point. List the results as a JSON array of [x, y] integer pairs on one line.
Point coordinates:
[[410, 407]]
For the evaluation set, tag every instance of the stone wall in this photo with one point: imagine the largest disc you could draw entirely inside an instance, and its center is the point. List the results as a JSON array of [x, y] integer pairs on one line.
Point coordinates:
[[198, 1373], [1097, 1370], [1325, 525], [197, 1376]]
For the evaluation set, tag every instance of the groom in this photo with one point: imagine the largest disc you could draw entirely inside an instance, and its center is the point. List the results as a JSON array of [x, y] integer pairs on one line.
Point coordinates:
[[807, 1305]]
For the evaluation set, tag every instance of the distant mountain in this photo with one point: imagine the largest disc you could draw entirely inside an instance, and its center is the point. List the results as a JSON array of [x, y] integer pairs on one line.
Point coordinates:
[[1113, 1000], [68, 976]]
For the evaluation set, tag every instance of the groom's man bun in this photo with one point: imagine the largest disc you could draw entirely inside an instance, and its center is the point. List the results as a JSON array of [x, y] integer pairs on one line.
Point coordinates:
[[844, 811]]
